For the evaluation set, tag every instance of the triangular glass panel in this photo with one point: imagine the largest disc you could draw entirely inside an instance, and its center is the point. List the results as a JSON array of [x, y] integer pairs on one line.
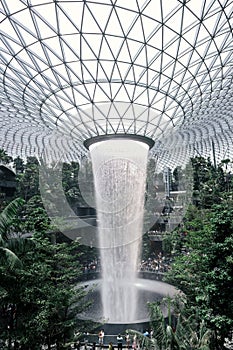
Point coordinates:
[[86, 51], [211, 8], [90, 21], [124, 55], [154, 8], [73, 11], [8, 32], [138, 70], [100, 94], [189, 19], [67, 50], [27, 33], [143, 78], [94, 42], [135, 31], [72, 44], [114, 88], [109, 68], [101, 13], [65, 25], [89, 70], [132, 5], [122, 94], [87, 91], [114, 25], [156, 40], [141, 58], [15, 6], [126, 17], [53, 48], [106, 52], [46, 20], [148, 26]]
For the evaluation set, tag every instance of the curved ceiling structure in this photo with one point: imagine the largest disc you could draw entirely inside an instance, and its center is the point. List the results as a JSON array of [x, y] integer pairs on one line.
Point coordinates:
[[71, 70]]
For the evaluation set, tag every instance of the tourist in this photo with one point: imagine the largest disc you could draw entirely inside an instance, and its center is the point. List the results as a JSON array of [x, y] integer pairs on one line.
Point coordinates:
[[110, 346], [127, 340], [119, 342], [134, 344], [101, 338], [151, 333]]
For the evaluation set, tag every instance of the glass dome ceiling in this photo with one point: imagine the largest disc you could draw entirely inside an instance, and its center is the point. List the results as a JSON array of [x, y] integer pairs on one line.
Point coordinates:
[[72, 70]]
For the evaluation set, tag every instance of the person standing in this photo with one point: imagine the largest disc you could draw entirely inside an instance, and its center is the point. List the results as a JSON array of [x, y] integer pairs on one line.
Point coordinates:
[[110, 346], [119, 341], [134, 344], [101, 338], [127, 340]]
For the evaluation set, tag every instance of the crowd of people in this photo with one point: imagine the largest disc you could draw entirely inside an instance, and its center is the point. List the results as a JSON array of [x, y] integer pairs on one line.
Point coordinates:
[[155, 263], [112, 342]]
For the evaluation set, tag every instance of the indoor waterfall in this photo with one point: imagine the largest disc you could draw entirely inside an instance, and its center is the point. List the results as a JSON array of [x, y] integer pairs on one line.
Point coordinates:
[[119, 168]]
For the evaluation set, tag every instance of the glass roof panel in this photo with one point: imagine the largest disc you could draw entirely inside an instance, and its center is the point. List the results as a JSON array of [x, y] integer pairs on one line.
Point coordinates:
[[57, 59], [11, 7]]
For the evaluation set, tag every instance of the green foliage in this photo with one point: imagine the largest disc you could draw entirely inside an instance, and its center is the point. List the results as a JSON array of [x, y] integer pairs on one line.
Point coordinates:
[[202, 248], [4, 157], [175, 326], [18, 165], [42, 288], [45, 294], [205, 271], [35, 216], [209, 182], [70, 184], [28, 180], [39, 294], [8, 241]]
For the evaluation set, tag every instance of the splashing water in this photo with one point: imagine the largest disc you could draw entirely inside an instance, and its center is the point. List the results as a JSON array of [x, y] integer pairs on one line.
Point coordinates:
[[119, 168]]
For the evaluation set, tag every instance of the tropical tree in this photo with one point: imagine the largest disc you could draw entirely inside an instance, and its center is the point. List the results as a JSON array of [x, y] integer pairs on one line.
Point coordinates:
[[4, 157], [204, 270], [8, 238], [42, 296], [208, 182], [18, 165], [174, 326], [11, 244], [28, 179], [48, 300]]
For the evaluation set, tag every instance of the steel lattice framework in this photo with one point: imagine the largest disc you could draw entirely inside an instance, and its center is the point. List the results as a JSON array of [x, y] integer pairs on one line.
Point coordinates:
[[71, 70]]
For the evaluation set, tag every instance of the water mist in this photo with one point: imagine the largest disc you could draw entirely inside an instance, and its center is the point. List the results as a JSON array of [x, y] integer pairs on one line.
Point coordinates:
[[119, 168]]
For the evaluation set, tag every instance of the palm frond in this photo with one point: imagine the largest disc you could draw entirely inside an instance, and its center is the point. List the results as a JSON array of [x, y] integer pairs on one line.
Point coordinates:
[[9, 257], [20, 245], [146, 342], [7, 217], [157, 323], [205, 335]]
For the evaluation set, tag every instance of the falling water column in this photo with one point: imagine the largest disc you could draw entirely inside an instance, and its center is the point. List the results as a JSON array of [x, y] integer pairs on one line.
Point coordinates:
[[119, 168]]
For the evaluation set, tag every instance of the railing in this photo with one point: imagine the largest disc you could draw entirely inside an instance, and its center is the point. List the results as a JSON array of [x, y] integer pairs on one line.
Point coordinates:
[[151, 275]]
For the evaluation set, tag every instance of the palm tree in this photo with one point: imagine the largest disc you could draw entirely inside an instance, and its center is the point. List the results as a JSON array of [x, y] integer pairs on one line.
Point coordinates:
[[180, 330], [8, 242], [193, 334], [163, 328]]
